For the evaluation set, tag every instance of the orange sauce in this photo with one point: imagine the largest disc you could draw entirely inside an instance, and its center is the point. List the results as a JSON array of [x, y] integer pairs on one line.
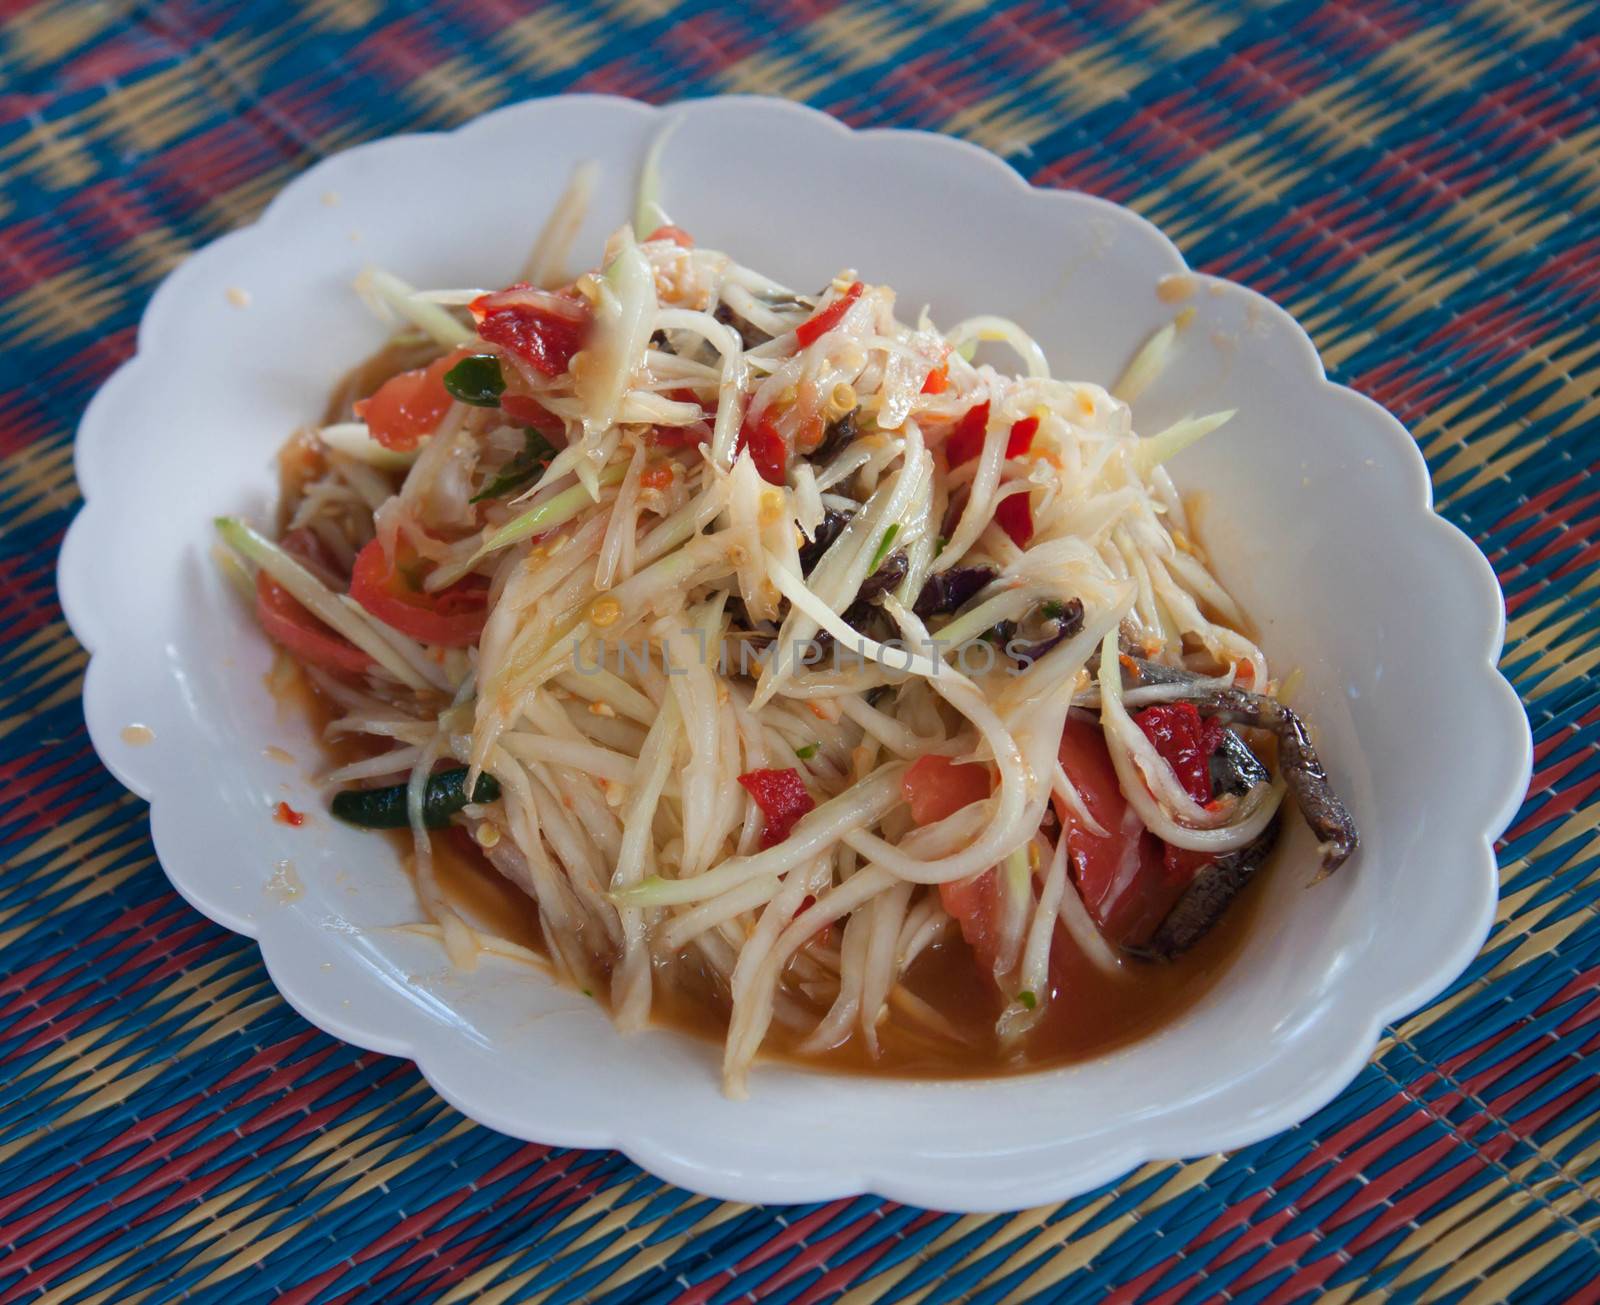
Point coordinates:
[[483, 896], [1089, 1010]]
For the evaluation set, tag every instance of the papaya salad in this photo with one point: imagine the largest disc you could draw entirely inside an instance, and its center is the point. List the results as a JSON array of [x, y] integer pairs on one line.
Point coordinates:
[[797, 665]]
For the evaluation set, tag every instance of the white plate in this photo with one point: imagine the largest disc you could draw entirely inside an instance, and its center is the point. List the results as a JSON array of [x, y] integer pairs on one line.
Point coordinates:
[[1319, 517]]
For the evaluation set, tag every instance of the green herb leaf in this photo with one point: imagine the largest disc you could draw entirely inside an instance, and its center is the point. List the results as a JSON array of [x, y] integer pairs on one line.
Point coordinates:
[[522, 470], [938, 545], [807, 752], [1051, 610], [476, 379], [1027, 999], [884, 545]]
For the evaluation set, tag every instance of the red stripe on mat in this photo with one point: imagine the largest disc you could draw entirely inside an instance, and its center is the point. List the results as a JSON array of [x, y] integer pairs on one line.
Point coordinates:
[[1349, 1167], [793, 1234], [442, 1266], [177, 1170], [841, 1276]]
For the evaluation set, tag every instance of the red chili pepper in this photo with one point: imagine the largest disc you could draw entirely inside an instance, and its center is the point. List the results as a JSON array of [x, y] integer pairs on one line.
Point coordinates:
[[782, 797], [677, 235], [938, 380], [966, 440], [819, 324], [285, 814], [1021, 437], [543, 328], [1015, 515], [767, 450], [681, 437], [1185, 740]]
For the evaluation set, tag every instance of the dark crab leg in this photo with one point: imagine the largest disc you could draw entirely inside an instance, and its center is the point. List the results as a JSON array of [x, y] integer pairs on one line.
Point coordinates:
[[1206, 898], [1303, 772]]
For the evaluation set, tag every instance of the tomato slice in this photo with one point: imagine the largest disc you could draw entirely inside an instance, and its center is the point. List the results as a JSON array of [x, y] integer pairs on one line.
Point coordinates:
[[288, 624], [975, 905], [782, 797], [391, 589], [767, 450], [820, 323], [1122, 875], [673, 437], [409, 406], [525, 411], [935, 786], [542, 327]]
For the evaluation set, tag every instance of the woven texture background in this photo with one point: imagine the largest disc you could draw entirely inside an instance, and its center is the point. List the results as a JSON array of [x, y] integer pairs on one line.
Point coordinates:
[[1417, 182]]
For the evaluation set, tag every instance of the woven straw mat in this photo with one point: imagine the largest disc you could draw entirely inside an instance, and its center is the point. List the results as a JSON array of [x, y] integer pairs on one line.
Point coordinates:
[[1416, 182]]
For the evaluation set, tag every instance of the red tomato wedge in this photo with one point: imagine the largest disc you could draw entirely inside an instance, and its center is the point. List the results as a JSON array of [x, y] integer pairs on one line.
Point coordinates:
[[288, 624], [391, 589], [824, 320], [544, 328], [975, 905], [410, 405], [935, 786], [1121, 876], [767, 450], [782, 797], [526, 411]]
